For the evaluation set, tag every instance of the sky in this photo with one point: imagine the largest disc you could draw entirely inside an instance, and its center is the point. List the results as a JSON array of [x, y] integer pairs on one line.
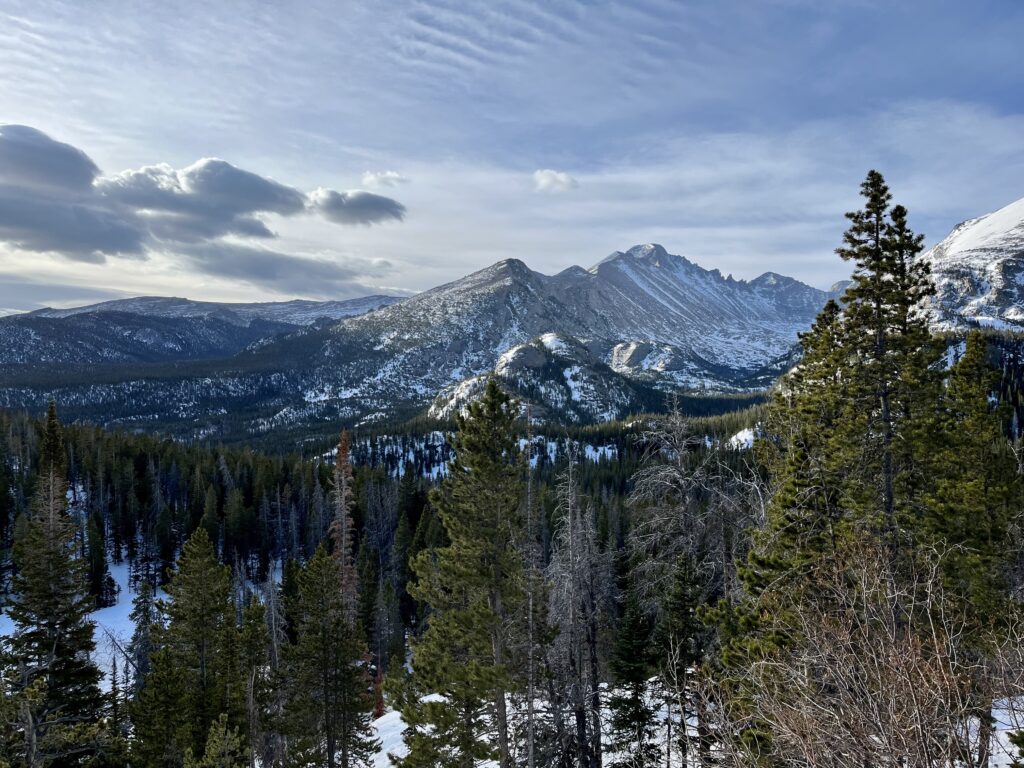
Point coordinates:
[[246, 151]]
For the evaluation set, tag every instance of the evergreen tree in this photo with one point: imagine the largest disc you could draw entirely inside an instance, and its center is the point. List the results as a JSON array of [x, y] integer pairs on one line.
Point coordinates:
[[328, 709], [342, 529], [847, 443], [473, 588], [61, 707], [195, 676], [631, 703], [140, 647], [887, 350], [681, 639], [977, 490], [224, 748]]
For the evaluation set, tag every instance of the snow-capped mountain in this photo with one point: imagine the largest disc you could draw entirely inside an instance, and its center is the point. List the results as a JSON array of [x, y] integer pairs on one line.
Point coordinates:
[[560, 379], [979, 271], [646, 313], [585, 344], [296, 312], [152, 329]]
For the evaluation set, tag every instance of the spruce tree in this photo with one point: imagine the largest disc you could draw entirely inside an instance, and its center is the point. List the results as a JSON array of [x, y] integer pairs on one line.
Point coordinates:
[[329, 705], [224, 748], [681, 639], [889, 384], [631, 704], [846, 448], [342, 528], [977, 490], [195, 676], [61, 708], [140, 647], [473, 587]]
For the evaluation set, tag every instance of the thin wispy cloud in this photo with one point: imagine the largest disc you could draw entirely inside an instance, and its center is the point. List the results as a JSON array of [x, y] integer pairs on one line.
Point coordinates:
[[735, 133]]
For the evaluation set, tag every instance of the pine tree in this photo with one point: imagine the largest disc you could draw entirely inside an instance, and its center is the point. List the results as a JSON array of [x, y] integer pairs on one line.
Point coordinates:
[[886, 366], [61, 706], [473, 588], [977, 489], [846, 447], [224, 748], [681, 639], [342, 529], [328, 710], [195, 676], [140, 647], [632, 703]]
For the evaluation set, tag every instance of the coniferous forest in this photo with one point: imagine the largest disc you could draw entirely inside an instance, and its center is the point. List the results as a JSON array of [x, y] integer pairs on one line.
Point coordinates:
[[844, 592]]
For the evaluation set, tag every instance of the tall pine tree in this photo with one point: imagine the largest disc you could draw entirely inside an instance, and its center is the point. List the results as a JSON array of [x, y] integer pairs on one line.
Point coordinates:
[[330, 702], [473, 587], [60, 706]]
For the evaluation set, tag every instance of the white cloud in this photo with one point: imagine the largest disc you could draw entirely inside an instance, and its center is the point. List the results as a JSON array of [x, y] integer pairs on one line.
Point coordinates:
[[379, 179], [547, 180]]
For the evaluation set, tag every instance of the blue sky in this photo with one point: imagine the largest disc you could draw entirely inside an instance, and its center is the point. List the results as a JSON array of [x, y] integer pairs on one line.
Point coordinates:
[[262, 150]]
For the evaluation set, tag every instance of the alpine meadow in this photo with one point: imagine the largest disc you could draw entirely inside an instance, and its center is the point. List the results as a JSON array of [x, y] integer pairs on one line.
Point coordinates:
[[328, 439]]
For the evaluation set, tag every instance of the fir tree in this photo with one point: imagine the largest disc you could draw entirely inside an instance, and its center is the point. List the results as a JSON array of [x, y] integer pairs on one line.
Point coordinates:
[[473, 588], [977, 489], [631, 702], [681, 638], [224, 748], [195, 676], [342, 529], [61, 706], [328, 710], [140, 647], [887, 353]]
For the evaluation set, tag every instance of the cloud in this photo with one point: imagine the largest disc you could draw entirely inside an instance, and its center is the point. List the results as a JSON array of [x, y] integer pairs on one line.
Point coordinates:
[[356, 207], [206, 200], [30, 158], [547, 180], [279, 271], [379, 179], [20, 295], [79, 228], [54, 199]]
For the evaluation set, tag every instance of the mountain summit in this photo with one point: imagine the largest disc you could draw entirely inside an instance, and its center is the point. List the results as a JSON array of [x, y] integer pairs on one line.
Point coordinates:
[[979, 271], [633, 326]]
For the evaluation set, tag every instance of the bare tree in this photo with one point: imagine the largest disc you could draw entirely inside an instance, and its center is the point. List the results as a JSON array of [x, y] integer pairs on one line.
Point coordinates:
[[693, 497], [580, 582], [879, 670]]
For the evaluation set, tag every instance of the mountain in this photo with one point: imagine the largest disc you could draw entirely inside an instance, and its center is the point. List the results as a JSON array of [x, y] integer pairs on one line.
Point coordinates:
[[295, 312], [646, 313], [979, 272], [153, 329], [582, 345]]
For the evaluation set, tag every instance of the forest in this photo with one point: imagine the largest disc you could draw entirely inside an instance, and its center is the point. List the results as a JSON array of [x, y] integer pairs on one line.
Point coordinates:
[[844, 592]]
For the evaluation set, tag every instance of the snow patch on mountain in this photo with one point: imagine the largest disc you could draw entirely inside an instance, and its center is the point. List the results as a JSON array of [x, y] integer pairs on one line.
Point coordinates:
[[978, 271]]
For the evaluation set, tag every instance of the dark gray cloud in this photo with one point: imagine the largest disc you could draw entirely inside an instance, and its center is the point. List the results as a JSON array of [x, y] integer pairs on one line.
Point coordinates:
[[280, 271], [17, 295], [356, 207], [30, 158], [54, 199], [80, 228]]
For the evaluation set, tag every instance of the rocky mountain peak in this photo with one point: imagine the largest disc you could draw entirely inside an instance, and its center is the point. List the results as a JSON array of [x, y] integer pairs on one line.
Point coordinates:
[[978, 271]]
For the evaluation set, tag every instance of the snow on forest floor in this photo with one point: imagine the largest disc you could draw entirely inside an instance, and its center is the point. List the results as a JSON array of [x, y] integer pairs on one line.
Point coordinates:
[[114, 626]]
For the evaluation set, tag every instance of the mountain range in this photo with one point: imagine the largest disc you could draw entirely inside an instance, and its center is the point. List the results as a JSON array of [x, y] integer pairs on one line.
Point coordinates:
[[583, 345]]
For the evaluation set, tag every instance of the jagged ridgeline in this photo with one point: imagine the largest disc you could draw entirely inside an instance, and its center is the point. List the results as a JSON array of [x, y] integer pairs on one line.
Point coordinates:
[[584, 346]]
